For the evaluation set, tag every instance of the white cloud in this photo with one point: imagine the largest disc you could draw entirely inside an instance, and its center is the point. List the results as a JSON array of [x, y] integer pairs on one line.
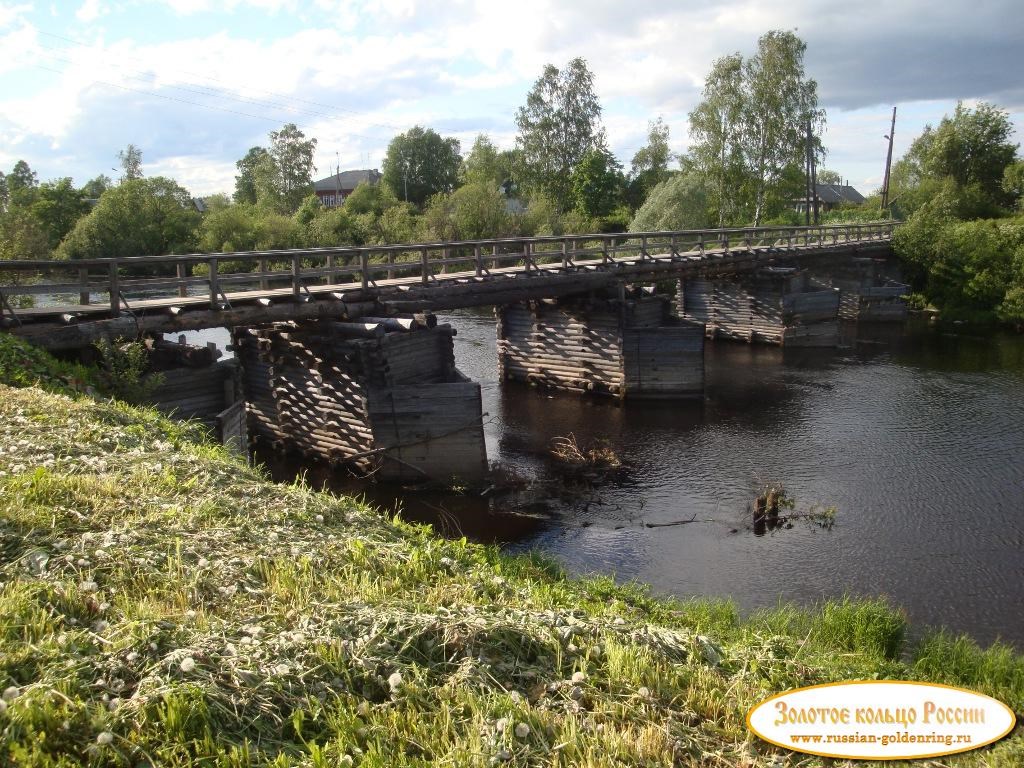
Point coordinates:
[[90, 11]]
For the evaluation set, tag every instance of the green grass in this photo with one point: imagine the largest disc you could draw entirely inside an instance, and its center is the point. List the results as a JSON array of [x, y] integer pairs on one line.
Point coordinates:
[[162, 603]]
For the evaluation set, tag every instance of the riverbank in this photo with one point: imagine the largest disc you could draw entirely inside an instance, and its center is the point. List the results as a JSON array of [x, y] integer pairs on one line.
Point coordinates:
[[163, 603]]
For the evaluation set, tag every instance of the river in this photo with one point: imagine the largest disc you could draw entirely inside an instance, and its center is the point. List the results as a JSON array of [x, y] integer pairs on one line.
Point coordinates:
[[915, 434]]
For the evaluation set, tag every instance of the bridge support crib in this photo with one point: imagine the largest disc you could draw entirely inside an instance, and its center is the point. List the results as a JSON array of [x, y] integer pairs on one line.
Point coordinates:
[[381, 395], [628, 347]]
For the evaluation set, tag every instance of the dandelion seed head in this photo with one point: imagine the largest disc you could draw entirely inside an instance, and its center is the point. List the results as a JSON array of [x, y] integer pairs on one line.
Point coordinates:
[[320, 519], [11, 693], [522, 730], [395, 681], [579, 677], [501, 724], [105, 738], [88, 586], [203, 562], [645, 692], [188, 664]]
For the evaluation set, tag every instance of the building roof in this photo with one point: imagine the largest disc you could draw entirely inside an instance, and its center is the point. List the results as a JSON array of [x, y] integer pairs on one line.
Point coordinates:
[[838, 193], [346, 180]]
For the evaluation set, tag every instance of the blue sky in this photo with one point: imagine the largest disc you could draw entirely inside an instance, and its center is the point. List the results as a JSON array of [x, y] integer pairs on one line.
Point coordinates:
[[195, 83]]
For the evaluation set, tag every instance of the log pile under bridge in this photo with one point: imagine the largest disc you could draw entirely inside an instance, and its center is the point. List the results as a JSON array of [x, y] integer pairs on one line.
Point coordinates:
[[382, 395]]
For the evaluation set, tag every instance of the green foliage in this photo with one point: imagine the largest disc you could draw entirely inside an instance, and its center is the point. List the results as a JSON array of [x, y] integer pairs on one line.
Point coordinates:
[[970, 150], [122, 365], [825, 176], [94, 188], [544, 217], [332, 226], [130, 159], [597, 183], [559, 124], [245, 181], [22, 365], [142, 217], [1013, 184], [292, 155], [486, 165], [420, 163], [397, 224], [57, 207], [650, 164], [969, 269], [22, 236], [246, 227], [472, 212], [678, 203], [22, 182], [370, 198], [850, 213]]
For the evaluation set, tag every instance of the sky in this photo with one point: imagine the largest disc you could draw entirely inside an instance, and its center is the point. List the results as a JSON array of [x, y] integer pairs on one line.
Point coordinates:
[[196, 83]]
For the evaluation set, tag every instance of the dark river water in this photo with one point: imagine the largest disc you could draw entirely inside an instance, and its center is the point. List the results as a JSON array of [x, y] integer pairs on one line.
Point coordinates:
[[915, 434]]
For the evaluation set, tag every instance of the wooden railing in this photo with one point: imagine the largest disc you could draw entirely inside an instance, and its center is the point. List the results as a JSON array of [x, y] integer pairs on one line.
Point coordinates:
[[215, 276]]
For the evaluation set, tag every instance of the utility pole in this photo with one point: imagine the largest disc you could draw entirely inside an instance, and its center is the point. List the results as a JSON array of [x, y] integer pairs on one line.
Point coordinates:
[[337, 179], [888, 162], [807, 178], [814, 180]]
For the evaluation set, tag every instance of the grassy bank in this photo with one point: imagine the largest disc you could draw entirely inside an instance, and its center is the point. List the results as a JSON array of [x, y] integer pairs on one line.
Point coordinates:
[[161, 603]]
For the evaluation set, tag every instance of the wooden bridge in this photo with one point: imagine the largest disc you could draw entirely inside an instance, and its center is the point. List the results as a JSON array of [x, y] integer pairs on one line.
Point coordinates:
[[71, 304]]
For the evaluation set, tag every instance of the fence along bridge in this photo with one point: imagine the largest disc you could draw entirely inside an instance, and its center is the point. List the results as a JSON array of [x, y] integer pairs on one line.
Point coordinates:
[[83, 301]]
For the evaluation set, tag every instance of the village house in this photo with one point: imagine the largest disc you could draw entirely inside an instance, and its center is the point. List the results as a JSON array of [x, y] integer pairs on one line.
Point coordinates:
[[831, 196], [333, 189]]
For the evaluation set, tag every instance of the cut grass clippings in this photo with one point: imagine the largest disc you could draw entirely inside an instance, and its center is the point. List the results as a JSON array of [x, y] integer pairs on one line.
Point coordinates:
[[163, 604]]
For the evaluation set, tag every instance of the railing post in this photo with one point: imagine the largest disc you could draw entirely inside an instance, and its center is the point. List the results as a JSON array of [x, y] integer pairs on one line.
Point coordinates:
[[181, 270], [700, 243], [478, 263], [83, 280], [526, 256], [115, 291], [643, 247], [604, 249], [329, 277], [673, 247], [214, 287], [364, 269], [494, 257], [391, 263], [296, 273], [565, 253], [264, 283], [424, 267]]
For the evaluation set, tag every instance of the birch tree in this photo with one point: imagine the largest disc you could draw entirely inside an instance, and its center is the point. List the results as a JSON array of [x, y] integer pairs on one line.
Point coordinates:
[[778, 102], [559, 124], [749, 132], [716, 129]]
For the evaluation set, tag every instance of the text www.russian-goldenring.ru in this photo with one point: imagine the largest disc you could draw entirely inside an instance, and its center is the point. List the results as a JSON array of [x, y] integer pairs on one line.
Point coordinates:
[[885, 740]]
